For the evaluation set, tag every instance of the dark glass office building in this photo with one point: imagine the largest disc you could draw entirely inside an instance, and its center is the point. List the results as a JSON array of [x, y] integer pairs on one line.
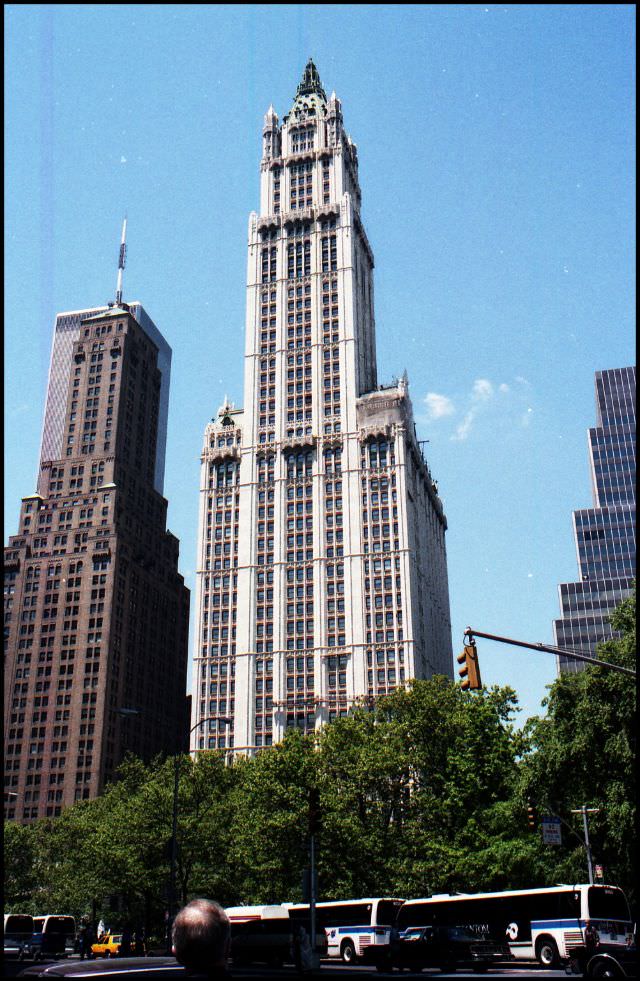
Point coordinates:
[[604, 533]]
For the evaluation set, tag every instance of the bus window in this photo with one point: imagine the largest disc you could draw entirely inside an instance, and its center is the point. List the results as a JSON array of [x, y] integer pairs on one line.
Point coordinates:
[[54, 924], [607, 904], [345, 914], [387, 910], [18, 926]]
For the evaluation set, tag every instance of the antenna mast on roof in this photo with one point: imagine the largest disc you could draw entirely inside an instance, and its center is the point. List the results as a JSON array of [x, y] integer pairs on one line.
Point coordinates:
[[121, 261]]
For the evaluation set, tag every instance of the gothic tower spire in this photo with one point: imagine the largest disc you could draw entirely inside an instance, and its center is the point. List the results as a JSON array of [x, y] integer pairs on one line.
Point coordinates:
[[311, 83]]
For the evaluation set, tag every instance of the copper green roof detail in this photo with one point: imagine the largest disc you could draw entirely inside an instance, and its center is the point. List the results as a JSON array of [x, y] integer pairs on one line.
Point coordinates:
[[310, 98], [311, 84]]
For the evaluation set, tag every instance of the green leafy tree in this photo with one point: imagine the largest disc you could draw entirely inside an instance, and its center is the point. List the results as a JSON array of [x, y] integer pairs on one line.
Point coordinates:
[[426, 793], [19, 867], [583, 752], [271, 807]]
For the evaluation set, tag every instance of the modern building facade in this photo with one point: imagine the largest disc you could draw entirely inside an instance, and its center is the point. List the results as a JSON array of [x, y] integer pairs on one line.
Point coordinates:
[[321, 570], [96, 613], [604, 533], [66, 333]]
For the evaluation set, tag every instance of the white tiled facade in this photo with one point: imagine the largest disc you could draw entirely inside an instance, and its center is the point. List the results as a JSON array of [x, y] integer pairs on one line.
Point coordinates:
[[322, 575]]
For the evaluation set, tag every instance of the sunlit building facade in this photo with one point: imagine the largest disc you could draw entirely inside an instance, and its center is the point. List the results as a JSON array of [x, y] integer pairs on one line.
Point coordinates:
[[321, 569], [604, 533]]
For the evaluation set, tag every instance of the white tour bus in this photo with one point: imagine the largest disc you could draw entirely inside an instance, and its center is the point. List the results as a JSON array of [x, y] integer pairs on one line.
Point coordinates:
[[354, 927], [51, 931], [18, 927], [259, 933], [538, 924], [264, 934]]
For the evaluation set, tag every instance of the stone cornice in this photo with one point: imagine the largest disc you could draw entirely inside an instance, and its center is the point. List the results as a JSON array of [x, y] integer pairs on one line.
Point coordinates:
[[216, 454]]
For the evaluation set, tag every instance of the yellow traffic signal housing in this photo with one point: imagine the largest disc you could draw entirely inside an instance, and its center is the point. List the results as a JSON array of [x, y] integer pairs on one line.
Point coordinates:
[[532, 815], [470, 672]]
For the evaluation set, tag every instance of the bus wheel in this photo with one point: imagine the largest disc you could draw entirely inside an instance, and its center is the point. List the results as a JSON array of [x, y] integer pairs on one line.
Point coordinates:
[[547, 952], [348, 952]]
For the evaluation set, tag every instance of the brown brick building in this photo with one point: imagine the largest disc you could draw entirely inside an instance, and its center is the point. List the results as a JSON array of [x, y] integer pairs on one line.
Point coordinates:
[[96, 613]]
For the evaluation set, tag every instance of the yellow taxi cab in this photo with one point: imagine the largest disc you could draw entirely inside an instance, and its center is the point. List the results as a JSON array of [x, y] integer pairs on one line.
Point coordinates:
[[107, 946]]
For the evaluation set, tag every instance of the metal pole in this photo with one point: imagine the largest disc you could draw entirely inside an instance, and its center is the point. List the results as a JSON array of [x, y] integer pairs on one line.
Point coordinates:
[[312, 899], [174, 853], [584, 810], [174, 828], [552, 650], [587, 845]]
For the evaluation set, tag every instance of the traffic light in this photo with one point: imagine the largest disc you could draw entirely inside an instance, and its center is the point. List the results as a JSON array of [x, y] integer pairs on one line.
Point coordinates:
[[532, 815], [314, 811], [470, 672]]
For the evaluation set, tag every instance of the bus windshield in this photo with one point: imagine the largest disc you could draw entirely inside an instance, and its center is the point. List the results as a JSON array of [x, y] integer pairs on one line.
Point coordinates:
[[607, 904], [18, 924], [387, 910]]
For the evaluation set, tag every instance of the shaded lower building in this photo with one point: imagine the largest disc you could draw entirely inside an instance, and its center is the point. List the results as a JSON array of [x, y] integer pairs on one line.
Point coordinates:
[[96, 612], [605, 533]]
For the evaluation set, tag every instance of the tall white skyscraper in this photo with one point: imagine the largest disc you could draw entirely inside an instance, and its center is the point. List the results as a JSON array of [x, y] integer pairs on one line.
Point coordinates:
[[322, 574]]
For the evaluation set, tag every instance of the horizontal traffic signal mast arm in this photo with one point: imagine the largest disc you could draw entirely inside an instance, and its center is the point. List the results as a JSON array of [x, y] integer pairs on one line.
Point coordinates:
[[469, 632]]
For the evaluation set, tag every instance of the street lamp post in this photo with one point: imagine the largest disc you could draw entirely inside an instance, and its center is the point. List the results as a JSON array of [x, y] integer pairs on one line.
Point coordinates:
[[174, 825], [584, 810]]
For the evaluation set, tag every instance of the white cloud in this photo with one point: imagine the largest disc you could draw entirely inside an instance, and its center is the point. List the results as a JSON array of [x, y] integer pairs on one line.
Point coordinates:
[[482, 390], [483, 393], [438, 405], [463, 429], [484, 397]]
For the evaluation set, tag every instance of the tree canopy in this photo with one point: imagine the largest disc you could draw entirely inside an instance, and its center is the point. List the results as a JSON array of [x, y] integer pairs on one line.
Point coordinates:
[[425, 793]]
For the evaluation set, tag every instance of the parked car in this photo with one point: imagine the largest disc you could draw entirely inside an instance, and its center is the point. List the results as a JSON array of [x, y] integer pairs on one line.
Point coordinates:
[[604, 961], [107, 946], [446, 948]]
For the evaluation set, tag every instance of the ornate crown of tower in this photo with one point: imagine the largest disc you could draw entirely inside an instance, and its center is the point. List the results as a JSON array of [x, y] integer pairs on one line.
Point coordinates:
[[311, 82], [310, 94]]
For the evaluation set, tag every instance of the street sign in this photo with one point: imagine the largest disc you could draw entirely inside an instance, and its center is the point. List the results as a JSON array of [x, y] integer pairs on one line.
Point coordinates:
[[551, 831], [599, 872]]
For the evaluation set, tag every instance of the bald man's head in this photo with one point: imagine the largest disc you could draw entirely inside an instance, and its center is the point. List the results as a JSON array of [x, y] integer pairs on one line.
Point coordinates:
[[201, 935]]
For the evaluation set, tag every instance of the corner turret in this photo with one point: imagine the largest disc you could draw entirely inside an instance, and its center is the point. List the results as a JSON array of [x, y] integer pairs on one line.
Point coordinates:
[[270, 135]]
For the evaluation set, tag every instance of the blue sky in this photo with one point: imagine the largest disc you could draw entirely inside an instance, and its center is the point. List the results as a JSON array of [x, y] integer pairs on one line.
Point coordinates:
[[496, 147]]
